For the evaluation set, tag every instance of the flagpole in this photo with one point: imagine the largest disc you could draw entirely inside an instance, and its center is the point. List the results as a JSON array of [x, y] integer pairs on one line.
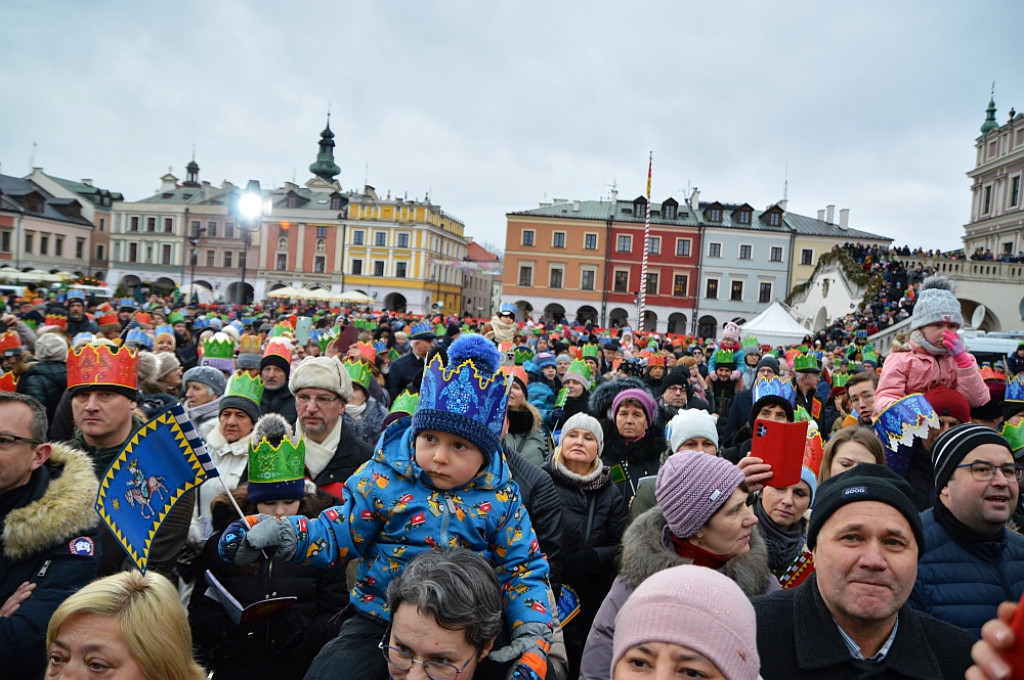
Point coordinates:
[[647, 247], [231, 497]]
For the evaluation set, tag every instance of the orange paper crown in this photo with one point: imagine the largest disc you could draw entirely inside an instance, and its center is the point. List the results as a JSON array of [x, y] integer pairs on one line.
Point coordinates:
[[8, 383], [10, 341], [143, 317], [103, 365], [281, 349], [367, 351], [58, 320], [107, 319]]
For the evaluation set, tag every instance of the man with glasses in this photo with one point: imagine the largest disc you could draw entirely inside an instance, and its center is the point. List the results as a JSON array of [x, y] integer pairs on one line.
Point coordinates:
[[48, 546], [860, 389], [972, 562], [322, 388]]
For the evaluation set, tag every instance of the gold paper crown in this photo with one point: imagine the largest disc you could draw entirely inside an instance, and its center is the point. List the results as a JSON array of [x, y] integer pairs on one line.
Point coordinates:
[[99, 364], [8, 383], [249, 344]]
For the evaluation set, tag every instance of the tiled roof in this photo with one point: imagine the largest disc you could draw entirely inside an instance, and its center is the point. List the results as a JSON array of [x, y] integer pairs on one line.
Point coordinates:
[[14, 187], [810, 226], [87, 191]]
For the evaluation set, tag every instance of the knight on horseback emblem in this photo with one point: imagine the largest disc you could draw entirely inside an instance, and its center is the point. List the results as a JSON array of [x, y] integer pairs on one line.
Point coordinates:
[[142, 488]]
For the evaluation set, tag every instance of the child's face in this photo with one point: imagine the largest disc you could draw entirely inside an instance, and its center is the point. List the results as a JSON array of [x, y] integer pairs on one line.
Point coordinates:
[[549, 372], [450, 461], [933, 332], [279, 508]]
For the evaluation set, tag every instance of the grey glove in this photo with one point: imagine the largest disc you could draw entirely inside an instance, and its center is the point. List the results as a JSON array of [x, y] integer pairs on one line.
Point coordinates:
[[270, 532], [526, 637]]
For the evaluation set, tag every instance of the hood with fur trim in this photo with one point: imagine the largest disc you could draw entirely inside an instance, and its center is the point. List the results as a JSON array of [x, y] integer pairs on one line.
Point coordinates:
[[645, 552], [64, 510], [604, 394]]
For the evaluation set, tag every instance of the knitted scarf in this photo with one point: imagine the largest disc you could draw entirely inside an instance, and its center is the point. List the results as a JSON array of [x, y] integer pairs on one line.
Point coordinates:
[[917, 337], [784, 545]]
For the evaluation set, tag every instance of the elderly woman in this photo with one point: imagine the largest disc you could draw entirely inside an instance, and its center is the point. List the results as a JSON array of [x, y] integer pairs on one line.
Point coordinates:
[[632, 449], [204, 386], [47, 379], [702, 519], [848, 447], [123, 626], [366, 413], [780, 519], [526, 434], [593, 519], [686, 622]]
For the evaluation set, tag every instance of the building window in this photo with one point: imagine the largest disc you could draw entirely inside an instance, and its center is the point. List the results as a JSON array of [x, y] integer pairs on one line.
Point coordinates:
[[776, 254], [773, 219], [165, 254], [587, 277], [1014, 191], [319, 264], [764, 292], [335, 203], [211, 258], [58, 249], [103, 224], [682, 247], [528, 235], [590, 241], [228, 259], [321, 246], [401, 270], [5, 241], [229, 230], [525, 275], [291, 201], [149, 253], [555, 277], [558, 239], [743, 217], [714, 250], [29, 238], [357, 267], [380, 238], [282, 243], [282, 262], [668, 211], [44, 244], [680, 285], [715, 215], [621, 284], [168, 225], [736, 291], [652, 283], [357, 237], [654, 245], [211, 229], [403, 240], [134, 224], [746, 252], [624, 243], [378, 267], [988, 199], [150, 224], [321, 232], [711, 289], [133, 252], [806, 256], [101, 252]]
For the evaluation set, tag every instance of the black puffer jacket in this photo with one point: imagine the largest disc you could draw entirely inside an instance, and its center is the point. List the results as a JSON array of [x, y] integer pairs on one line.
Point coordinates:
[[540, 498], [283, 646], [281, 401], [45, 381]]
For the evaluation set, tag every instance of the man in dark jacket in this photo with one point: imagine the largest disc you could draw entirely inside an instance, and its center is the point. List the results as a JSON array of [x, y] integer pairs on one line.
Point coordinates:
[[405, 368], [49, 539], [972, 562], [274, 370], [850, 618], [78, 322]]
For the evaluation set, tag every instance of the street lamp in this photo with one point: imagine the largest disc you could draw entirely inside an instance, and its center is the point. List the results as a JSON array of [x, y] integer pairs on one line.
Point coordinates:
[[251, 207], [194, 242]]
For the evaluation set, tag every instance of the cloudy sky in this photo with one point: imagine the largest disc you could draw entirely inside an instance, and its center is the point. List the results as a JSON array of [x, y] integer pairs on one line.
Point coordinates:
[[495, 106]]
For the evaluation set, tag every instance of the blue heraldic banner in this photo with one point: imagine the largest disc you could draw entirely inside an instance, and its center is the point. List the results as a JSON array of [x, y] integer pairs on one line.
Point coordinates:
[[159, 463]]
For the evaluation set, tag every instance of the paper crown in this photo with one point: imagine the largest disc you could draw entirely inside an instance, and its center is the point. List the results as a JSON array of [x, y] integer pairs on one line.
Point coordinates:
[[380, 347], [10, 343], [199, 323], [280, 329], [276, 463], [805, 362], [591, 352], [163, 329], [750, 343], [280, 348], [840, 379], [107, 319], [1015, 388], [249, 344], [363, 324], [138, 338], [219, 346], [900, 424], [774, 387], [406, 402], [869, 355], [326, 338], [1014, 436], [655, 360], [393, 354], [813, 451], [360, 373], [507, 308], [724, 356], [422, 331], [103, 365], [176, 317], [368, 351], [126, 303], [518, 372], [78, 295], [580, 368], [8, 382], [244, 385], [524, 353], [58, 320], [143, 317]]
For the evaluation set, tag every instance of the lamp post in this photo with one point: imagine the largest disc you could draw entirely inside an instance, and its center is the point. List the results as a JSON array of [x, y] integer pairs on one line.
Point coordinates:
[[250, 208], [194, 242]]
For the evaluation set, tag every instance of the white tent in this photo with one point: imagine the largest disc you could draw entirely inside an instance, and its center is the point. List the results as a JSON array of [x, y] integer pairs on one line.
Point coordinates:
[[774, 326]]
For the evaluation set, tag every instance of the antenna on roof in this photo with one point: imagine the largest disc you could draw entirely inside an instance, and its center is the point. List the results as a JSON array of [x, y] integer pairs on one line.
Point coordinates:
[[366, 174], [293, 175], [785, 183], [193, 151], [32, 158]]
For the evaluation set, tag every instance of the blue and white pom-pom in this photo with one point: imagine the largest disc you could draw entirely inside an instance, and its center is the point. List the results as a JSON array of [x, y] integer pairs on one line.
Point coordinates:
[[482, 351]]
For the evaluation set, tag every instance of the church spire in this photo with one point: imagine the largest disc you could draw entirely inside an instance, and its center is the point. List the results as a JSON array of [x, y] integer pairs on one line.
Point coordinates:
[[325, 167], [990, 117], [192, 171]]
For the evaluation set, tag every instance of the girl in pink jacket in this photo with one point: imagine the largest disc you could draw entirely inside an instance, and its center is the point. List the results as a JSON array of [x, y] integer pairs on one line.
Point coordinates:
[[936, 356]]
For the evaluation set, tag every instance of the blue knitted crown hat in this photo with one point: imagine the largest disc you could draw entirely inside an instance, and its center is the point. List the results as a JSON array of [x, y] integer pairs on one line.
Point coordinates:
[[467, 397]]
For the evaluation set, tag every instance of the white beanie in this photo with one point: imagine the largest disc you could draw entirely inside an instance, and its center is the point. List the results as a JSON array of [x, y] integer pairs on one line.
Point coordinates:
[[690, 423], [324, 373], [582, 421], [51, 347]]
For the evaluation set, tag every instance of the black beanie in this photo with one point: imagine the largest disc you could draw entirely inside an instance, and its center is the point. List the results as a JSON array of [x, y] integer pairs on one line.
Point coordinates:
[[865, 482], [675, 378], [953, 445], [771, 399], [768, 360], [276, 360]]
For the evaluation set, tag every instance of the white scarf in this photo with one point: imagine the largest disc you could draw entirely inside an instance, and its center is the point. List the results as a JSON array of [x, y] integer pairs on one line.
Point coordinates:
[[355, 411], [319, 455]]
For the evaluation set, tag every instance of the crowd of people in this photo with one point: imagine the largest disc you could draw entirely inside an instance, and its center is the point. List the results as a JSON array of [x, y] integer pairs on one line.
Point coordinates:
[[401, 496]]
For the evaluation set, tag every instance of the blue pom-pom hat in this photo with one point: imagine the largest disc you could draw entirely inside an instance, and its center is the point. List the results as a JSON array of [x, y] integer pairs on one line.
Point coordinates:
[[468, 397]]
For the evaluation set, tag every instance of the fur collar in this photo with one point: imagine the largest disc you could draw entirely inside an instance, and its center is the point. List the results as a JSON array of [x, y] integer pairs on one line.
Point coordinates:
[[64, 510], [645, 552]]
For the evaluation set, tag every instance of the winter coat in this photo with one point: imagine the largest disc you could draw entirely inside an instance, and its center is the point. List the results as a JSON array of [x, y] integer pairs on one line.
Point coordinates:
[[917, 371], [540, 498], [283, 646], [637, 459], [348, 457], [46, 382], [798, 639], [50, 538], [392, 512], [82, 325], [205, 416], [739, 412], [402, 372], [646, 552], [280, 401], [366, 425], [963, 583], [533, 444]]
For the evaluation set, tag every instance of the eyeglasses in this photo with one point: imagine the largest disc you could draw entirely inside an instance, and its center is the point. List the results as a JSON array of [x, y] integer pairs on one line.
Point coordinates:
[[302, 400], [435, 670], [9, 440], [984, 471]]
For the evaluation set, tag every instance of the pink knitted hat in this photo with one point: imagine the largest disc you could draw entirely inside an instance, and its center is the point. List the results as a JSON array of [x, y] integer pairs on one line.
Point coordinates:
[[697, 608], [691, 487]]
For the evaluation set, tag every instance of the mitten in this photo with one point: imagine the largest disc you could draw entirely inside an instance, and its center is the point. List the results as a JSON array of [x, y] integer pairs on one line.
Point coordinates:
[[232, 540], [712, 375], [529, 650], [951, 341], [735, 375], [272, 532]]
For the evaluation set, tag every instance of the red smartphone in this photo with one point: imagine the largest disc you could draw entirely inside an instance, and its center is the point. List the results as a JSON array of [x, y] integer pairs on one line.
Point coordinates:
[[1014, 657], [780, 445]]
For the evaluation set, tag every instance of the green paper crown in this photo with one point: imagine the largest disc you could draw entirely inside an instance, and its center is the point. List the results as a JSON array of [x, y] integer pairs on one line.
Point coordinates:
[[840, 379], [327, 338], [176, 317], [244, 385], [580, 367], [270, 464], [393, 354], [591, 352], [280, 329], [406, 402], [1014, 435], [871, 356], [360, 373], [725, 356], [364, 324], [801, 414], [523, 354], [440, 329], [222, 347], [652, 344], [749, 343], [805, 362]]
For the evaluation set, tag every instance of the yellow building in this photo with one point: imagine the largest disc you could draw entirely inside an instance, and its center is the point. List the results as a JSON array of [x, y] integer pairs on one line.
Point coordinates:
[[812, 238]]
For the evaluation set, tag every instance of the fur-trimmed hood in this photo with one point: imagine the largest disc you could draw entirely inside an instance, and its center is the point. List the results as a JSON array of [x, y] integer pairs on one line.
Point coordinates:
[[65, 509], [604, 394], [646, 552]]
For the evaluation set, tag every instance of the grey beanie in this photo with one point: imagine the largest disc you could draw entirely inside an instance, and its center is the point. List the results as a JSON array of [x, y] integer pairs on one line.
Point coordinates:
[[582, 421], [51, 347], [936, 303], [768, 360], [691, 423], [165, 363], [207, 375]]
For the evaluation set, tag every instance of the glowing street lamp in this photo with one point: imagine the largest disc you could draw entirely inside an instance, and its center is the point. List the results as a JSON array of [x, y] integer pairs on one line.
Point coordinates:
[[250, 209]]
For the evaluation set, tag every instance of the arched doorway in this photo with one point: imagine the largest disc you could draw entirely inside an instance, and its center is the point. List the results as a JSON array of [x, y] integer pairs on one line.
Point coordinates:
[[650, 321], [523, 310], [676, 323], [618, 317], [586, 313], [707, 327], [163, 286], [235, 293], [131, 284], [395, 302], [820, 319], [554, 313]]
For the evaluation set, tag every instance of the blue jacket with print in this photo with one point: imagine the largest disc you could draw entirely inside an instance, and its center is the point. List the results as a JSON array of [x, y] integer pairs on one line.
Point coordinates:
[[392, 512]]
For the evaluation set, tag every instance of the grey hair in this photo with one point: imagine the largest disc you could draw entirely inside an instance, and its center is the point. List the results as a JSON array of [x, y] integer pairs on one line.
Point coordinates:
[[40, 424], [457, 587]]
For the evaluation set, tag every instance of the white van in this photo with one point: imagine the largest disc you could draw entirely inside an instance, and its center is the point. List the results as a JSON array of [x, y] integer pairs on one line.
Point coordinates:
[[97, 293]]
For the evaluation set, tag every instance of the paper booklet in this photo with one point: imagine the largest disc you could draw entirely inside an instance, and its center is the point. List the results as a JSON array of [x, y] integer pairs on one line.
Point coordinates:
[[246, 616]]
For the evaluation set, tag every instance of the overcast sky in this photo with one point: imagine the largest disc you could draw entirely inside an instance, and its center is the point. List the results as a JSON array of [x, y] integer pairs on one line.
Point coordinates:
[[495, 106]]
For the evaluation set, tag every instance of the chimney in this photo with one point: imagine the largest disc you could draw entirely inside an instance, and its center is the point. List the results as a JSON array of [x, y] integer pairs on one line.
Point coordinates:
[[821, 215], [575, 206], [615, 195], [844, 218], [830, 214], [783, 203], [695, 200], [87, 182]]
